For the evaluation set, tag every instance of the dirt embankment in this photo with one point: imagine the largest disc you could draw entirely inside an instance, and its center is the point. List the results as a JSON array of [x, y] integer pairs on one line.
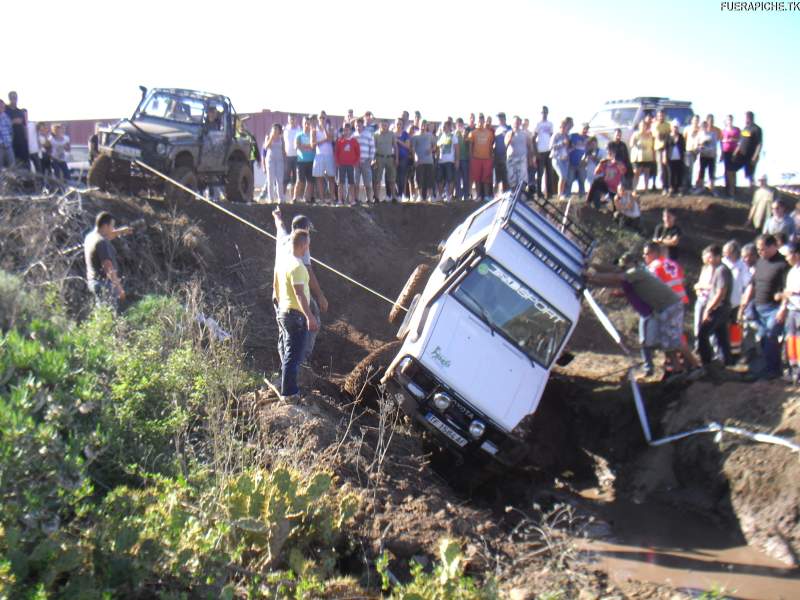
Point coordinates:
[[593, 438]]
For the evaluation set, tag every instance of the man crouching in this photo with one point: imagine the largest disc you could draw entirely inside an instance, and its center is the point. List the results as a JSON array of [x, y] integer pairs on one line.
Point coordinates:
[[291, 294]]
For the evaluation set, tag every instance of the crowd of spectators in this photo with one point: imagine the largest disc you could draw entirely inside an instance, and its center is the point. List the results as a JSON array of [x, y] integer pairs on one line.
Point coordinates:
[[373, 160], [43, 147]]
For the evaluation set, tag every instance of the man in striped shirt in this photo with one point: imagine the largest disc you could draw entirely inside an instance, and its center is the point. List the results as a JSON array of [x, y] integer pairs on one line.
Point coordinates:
[[366, 142]]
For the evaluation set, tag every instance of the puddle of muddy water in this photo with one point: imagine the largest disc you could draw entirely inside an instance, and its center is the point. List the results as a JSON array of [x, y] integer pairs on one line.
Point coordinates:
[[661, 544]]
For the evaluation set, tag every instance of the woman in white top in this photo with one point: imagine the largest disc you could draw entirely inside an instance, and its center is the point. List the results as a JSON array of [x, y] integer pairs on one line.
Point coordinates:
[[274, 161]]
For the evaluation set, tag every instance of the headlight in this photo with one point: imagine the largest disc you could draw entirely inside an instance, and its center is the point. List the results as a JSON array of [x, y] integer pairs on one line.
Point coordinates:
[[476, 429], [161, 148], [442, 401], [405, 365]]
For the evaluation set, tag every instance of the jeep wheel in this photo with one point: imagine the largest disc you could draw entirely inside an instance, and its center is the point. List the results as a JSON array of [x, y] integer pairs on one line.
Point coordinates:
[[99, 172], [239, 183], [184, 176], [362, 383], [413, 286]]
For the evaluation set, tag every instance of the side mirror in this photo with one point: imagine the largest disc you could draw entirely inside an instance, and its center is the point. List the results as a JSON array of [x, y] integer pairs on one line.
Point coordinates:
[[447, 265]]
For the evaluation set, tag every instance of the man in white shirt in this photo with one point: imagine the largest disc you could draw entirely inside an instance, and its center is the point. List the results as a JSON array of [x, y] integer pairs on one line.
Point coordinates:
[[541, 136], [290, 134]]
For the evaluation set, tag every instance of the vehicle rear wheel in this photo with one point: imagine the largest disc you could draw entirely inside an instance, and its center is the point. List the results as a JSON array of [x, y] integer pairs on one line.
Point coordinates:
[[414, 285], [239, 183], [363, 381], [99, 172], [185, 176]]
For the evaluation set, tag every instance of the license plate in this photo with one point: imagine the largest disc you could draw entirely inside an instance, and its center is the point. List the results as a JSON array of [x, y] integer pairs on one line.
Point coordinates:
[[127, 151], [445, 429]]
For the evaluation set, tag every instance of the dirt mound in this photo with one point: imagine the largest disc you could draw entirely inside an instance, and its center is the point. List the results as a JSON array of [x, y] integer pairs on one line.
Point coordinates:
[[758, 485]]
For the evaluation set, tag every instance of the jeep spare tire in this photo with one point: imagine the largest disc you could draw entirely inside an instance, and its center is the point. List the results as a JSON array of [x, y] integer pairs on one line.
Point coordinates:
[[414, 285], [185, 176], [99, 172], [239, 183]]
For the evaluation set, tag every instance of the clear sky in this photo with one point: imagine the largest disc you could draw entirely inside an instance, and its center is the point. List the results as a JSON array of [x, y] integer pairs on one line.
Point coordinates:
[[84, 59]]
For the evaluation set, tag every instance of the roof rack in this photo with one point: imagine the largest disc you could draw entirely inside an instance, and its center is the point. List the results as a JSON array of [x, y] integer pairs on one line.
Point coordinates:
[[561, 221]]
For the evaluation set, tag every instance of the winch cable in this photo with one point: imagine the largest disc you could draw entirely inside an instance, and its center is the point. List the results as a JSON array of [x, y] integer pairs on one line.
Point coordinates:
[[263, 232], [714, 428]]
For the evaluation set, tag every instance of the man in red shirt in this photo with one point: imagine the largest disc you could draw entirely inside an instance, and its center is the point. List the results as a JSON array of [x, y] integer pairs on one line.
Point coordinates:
[[671, 273], [347, 154], [608, 174], [481, 160]]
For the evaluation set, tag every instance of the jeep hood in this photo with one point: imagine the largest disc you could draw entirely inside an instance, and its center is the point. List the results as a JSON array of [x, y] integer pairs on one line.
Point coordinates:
[[483, 368], [172, 132]]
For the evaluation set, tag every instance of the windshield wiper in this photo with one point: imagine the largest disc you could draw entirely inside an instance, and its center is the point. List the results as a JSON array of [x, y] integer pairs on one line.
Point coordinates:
[[481, 310]]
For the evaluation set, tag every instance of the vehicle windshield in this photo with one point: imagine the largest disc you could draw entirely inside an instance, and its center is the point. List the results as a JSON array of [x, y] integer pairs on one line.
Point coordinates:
[[513, 309], [173, 107], [611, 118], [682, 113]]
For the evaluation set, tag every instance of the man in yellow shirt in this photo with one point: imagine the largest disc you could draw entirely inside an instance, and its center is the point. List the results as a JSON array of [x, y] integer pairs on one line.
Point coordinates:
[[291, 293]]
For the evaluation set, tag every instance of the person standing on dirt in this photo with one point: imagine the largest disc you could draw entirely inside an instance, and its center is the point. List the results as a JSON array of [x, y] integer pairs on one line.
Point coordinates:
[[729, 142], [348, 157], [385, 162], [291, 296], [655, 300], [500, 162], [102, 270], [761, 205], [544, 168], [763, 290], [324, 168], [423, 144], [716, 312], [290, 134], [622, 153], [481, 141], [274, 161], [674, 151], [749, 149], [731, 258], [305, 161], [366, 146], [789, 313], [668, 233], [283, 247], [19, 125], [517, 152]]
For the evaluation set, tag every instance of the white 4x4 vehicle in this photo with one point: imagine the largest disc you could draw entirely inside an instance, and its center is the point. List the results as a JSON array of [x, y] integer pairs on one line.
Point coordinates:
[[479, 341], [627, 114]]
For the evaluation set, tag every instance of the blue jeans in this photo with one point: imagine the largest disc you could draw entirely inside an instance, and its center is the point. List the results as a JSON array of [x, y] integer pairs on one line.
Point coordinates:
[[462, 180], [576, 173], [769, 330], [292, 339]]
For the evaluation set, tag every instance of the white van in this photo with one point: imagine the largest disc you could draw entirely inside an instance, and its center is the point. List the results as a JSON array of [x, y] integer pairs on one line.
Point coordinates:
[[627, 114], [479, 341]]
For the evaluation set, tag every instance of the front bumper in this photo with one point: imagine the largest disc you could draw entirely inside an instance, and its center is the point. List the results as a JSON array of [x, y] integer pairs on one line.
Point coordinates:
[[453, 427]]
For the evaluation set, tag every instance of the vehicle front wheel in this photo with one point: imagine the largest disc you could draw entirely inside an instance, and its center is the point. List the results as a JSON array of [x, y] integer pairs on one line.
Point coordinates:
[[239, 183], [363, 382], [99, 172], [185, 176]]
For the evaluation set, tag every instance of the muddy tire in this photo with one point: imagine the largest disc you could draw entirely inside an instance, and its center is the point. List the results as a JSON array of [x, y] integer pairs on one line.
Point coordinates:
[[414, 285], [185, 176], [363, 382], [239, 183], [99, 172]]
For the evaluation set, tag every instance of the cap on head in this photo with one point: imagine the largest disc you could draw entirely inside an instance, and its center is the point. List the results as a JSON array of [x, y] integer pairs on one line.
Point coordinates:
[[302, 222]]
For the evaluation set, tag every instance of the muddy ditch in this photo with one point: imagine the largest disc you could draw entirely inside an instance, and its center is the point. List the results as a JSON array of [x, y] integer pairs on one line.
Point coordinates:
[[525, 527]]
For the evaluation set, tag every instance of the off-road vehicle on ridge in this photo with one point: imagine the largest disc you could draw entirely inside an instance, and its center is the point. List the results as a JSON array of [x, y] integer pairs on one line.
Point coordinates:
[[485, 328], [627, 114], [191, 136]]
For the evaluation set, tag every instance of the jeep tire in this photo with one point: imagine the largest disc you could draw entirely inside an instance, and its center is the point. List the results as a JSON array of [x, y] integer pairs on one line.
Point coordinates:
[[363, 381], [185, 176], [414, 285], [239, 182], [99, 172]]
